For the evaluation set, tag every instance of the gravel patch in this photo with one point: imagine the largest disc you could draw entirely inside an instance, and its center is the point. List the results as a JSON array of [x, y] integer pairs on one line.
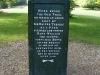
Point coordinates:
[[83, 59], [14, 59]]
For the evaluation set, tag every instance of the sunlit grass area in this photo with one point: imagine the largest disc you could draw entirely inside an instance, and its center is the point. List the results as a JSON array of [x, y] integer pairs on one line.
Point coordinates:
[[85, 29], [13, 27]]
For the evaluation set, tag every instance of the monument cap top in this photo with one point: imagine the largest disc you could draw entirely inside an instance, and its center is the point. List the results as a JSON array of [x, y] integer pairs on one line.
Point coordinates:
[[49, 1]]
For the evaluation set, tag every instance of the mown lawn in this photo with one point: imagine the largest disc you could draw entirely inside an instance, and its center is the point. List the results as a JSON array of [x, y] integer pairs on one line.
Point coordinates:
[[13, 27], [85, 29]]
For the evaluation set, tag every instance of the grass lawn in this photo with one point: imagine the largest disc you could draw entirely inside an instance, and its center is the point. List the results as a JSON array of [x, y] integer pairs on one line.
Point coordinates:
[[85, 29], [13, 27]]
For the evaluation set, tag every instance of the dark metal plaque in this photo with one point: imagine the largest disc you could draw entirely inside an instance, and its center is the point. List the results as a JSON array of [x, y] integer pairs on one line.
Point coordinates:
[[47, 44], [48, 32]]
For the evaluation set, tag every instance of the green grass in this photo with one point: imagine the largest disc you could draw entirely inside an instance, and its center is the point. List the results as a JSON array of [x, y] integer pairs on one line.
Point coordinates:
[[13, 27], [85, 29]]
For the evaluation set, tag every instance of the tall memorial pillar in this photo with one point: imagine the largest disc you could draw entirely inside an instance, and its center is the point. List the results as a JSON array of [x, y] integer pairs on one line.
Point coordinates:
[[48, 36]]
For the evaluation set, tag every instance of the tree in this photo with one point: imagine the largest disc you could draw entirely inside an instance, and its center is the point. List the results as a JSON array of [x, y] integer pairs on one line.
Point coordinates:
[[2, 5], [90, 4], [7, 3], [72, 5], [80, 2], [98, 2]]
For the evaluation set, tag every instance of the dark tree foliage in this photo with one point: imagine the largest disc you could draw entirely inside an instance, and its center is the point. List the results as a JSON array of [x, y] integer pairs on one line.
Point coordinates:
[[72, 5]]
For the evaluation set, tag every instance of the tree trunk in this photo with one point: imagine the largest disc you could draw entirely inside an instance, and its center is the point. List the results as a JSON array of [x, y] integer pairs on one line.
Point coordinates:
[[0, 7]]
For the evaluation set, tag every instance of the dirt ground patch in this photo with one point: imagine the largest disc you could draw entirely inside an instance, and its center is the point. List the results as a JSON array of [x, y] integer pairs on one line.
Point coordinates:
[[83, 59]]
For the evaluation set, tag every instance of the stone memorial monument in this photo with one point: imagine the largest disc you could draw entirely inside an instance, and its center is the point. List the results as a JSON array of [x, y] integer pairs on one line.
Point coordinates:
[[48, 36]]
